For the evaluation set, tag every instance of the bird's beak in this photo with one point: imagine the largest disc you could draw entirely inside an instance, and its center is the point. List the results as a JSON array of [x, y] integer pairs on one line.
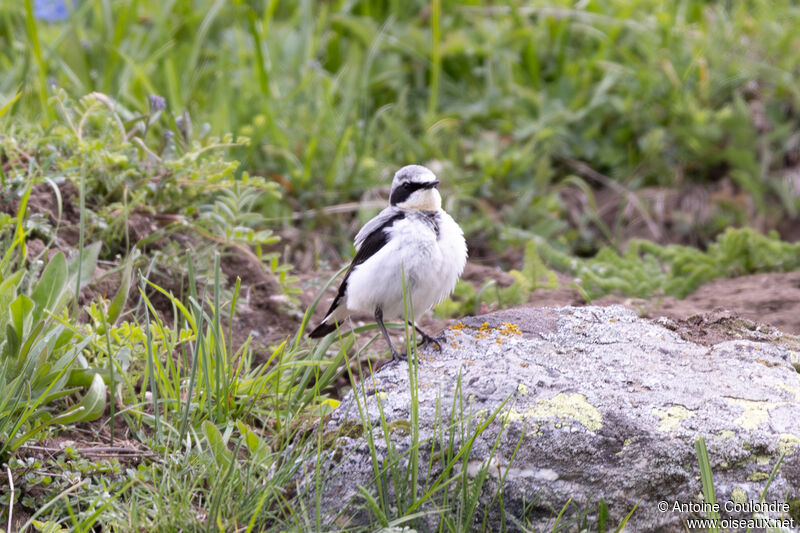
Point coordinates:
[[433, 184]]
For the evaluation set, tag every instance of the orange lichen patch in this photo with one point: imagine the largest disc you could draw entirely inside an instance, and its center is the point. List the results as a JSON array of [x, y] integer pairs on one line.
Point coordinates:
[[483, 331], [458, 326], [500, 341], [612, 319], [507, 328], [455, 345]]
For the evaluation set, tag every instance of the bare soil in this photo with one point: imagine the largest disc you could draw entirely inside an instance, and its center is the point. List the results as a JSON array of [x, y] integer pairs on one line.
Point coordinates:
[[771, 299]]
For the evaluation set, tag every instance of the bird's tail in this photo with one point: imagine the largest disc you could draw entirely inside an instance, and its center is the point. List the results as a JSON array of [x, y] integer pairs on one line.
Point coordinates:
[[323, 329]]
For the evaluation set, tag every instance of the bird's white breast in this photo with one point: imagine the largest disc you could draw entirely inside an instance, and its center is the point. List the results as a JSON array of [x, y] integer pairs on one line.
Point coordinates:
[[430, 265]]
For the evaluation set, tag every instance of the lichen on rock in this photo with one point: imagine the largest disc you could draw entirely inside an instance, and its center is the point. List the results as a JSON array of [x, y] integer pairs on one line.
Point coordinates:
[[591, 404]]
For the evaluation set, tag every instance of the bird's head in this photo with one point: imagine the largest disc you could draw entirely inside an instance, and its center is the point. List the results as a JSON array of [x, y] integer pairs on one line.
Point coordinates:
[[414, 187]]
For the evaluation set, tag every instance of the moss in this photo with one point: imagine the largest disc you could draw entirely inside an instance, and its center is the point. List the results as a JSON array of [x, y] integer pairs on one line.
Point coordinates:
[[352, 430], [400, 426], [794, 508], [338, 454], [758, 476]]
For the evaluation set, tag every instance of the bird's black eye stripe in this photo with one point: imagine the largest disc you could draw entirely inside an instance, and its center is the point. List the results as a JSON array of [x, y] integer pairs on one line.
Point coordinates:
[[405, 190]]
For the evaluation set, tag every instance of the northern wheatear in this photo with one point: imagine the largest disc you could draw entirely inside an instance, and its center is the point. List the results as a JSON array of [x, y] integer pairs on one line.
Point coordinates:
[[413, 240]]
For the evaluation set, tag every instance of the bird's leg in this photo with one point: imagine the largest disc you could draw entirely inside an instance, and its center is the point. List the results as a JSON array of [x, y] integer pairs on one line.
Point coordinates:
[[426, 339], [379, 319]]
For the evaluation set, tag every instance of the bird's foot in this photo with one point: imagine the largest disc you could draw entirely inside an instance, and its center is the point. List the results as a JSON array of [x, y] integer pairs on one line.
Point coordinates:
[[427, 339], [398, 357]]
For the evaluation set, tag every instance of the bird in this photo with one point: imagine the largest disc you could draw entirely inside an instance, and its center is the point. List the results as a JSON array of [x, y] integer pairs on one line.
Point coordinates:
[[413, 240]]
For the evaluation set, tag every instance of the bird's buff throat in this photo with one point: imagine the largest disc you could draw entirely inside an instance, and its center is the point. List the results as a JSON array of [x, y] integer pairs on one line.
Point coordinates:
[[430, 201]]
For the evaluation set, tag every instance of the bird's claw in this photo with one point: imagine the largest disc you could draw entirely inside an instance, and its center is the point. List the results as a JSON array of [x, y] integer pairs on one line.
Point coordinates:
[[427, 339]]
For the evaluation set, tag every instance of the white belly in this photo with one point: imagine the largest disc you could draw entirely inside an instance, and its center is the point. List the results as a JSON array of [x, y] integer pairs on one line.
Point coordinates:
[[430, 267]]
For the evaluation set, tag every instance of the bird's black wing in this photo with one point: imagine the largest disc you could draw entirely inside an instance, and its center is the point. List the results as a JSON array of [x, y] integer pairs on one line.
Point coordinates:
[[370, 245]]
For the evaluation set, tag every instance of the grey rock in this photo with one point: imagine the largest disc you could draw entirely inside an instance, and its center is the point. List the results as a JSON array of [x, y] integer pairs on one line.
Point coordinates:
[[583, 405]]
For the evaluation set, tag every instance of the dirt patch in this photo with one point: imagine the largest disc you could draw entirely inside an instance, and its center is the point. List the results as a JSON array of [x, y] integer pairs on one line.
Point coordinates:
[[720, 325], [263, 310], [772, 299], [44, 202], [93, 441]]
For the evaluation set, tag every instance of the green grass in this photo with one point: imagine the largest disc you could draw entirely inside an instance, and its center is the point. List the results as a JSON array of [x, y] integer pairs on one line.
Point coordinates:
[[514, 103], [211, 439], [515, 107]]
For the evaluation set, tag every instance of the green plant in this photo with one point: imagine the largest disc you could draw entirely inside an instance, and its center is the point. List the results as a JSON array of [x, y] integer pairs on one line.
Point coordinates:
[[647, 269], [707, 480], [534, 275], [514, 103], [40, 354]]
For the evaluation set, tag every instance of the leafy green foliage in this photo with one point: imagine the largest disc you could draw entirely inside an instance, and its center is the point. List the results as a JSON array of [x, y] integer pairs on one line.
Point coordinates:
[[646, 269], [501, 98], [534, 275], [39, 352], [505, 102], [128, 172]]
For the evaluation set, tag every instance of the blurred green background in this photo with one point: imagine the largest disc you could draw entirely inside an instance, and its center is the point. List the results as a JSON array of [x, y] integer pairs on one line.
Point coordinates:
[[178, 178], [585, 123]]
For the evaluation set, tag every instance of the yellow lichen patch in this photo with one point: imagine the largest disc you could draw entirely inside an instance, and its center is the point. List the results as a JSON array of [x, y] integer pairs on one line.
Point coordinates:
[[458, 326], [761, 459], [787, 443], [671, 418], [485, 327], [794, 359], [481, 335], [787, 388], [455, 345], [522, 389], [561, 410], [739, 495], [758, 476], [754, 413], [498, 340], [726, 434], [507, 328]]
